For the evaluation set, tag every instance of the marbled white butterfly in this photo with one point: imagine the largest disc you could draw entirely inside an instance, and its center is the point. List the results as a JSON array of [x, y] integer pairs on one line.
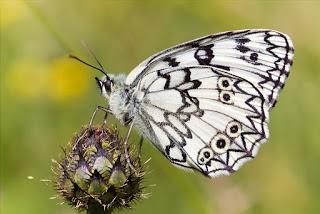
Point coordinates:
[[205, 104]]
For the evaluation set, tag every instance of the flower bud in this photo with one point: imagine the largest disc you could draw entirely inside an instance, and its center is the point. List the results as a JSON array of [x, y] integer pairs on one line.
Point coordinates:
[[95, 173]]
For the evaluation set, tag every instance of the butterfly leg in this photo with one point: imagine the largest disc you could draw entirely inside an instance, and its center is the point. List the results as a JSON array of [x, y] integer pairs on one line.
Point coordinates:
[[126, 152], [105, 118], [99, 108], [139, 149]]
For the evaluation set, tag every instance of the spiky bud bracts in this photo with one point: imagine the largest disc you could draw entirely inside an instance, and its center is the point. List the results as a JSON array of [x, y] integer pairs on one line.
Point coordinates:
[[94, 174]]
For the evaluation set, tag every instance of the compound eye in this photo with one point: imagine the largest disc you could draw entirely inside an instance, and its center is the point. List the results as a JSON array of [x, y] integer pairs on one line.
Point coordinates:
[[224, 83], [220, 143], [233, 129], [205, 155]]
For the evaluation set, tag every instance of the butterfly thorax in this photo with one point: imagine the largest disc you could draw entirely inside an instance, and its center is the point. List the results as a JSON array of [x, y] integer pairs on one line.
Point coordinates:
[[121, 101]]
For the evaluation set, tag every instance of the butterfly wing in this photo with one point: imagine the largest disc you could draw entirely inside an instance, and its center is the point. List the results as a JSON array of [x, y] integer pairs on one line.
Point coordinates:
[[205, 103], [202, 117], [262, 57]]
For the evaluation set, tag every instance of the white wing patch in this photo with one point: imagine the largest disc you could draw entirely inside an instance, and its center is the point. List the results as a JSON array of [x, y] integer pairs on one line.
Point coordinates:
[[204, 118], [263, 57], [205, 103]]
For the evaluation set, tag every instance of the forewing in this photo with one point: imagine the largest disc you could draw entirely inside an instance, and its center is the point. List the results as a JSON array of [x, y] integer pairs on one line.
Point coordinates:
[[204, 118], [262, 57]]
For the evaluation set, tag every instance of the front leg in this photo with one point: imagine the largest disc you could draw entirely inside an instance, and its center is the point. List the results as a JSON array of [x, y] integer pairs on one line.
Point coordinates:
[[126, 151], [100, 108]]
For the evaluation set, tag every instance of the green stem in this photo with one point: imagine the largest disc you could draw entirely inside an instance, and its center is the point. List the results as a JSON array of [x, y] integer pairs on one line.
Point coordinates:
[[96, 208], [47, 25]]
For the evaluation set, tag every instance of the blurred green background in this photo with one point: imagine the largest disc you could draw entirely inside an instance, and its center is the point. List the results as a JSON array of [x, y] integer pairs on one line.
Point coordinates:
[[45, 97]]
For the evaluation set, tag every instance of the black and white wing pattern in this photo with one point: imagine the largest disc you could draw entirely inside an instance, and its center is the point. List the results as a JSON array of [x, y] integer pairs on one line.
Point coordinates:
[[204, 118], [205, 103], [263, 57]]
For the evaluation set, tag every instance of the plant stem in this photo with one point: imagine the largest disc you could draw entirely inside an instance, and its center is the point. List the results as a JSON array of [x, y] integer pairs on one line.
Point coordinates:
[[96, 208], [47, 25]]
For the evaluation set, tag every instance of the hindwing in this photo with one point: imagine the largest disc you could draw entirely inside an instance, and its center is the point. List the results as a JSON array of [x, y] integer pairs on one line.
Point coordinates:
[[204, 118]]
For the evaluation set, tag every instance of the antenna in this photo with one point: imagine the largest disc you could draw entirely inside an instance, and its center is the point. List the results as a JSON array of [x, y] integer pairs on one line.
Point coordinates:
[[100, 68], [92, 54], [92, 66]]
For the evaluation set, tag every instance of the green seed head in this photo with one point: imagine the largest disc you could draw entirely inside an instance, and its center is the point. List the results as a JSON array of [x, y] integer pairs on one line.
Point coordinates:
[[95, 172]]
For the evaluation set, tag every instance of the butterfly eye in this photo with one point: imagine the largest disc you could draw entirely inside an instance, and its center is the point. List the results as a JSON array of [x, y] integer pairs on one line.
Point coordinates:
[[226, 97], [220, 143], [224, 83], [205, 155], [233, 129]]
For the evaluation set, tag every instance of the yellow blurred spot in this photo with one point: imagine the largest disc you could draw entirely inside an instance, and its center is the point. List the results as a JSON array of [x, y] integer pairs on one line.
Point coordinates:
[[10, 11], [26, 79], [60, 80], [67, 79], [30, 177]]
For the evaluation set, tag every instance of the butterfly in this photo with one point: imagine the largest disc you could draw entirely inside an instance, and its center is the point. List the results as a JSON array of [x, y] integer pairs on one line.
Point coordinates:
[[205, 104]]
